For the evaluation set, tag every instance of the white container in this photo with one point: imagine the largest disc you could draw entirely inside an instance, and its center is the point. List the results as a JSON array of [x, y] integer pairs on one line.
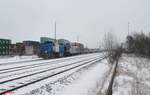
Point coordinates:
[[29, 50]]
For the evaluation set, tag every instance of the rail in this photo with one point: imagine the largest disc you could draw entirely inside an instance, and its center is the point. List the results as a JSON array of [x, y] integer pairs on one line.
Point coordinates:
[[51, 75]]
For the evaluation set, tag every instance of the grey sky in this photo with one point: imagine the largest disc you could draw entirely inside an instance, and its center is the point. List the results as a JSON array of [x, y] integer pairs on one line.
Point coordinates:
[[88, 19]]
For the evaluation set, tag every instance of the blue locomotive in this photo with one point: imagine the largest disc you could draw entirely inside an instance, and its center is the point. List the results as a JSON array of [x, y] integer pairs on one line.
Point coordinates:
[[46, 50], [50, 48]]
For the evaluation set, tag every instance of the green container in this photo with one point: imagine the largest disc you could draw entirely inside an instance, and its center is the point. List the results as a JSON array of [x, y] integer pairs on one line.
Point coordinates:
[[4, 46]]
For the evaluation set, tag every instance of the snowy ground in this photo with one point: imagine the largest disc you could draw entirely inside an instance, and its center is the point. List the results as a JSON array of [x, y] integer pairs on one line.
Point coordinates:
[[89, 81], [133, 76], [83, 80], [4, 60]]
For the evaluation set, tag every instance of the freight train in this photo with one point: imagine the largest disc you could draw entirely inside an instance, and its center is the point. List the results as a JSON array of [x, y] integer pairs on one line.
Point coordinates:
[[51, 48], [46, 48]]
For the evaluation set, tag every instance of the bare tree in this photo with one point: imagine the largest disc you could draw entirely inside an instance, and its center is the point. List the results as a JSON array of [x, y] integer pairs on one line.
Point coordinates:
[[111, 47]]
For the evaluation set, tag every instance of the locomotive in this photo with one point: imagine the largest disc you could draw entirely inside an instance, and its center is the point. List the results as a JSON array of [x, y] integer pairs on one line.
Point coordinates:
[[50, 48]]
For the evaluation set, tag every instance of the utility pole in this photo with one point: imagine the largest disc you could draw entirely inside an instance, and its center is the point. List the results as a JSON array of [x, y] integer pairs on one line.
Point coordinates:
[[128, 28], [77, 39], [55, 31]]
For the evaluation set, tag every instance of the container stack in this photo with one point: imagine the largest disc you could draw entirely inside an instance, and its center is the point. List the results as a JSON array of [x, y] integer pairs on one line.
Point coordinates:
[[4, 47], [76, 48], [31, 47]]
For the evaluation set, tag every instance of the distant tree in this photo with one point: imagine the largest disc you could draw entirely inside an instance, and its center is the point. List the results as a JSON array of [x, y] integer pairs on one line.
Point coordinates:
[[139, 43], [130, 44], [111, 46]]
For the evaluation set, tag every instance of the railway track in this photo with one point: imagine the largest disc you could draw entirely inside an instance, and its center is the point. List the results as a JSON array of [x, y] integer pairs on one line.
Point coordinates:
[[32, 60], [7, 74], [39, 71], [22, 81], [10, 63], [38, 64], [42, 71]]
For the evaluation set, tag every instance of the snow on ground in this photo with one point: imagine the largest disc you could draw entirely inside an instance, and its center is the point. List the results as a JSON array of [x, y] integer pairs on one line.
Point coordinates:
[[133, 76], [36, 76], [49, 61], [4, 60], [88, 83], [83, 81]]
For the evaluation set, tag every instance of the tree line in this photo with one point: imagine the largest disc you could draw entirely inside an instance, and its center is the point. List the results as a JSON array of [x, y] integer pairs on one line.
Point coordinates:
[[139, 43]]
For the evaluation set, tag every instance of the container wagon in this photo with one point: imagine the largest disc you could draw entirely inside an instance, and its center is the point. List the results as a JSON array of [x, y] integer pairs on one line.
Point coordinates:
[[5, 47], [81, 48], [76, 48]]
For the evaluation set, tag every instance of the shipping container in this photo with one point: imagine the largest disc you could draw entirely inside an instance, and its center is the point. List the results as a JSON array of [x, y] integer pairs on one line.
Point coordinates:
[[76, 48], [31, 43], [4, 46], [17, 49], [29, 50], [31, 47]]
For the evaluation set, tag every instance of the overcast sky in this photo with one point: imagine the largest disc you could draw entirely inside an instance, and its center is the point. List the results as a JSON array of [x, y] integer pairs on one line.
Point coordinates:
[[87, 19]]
